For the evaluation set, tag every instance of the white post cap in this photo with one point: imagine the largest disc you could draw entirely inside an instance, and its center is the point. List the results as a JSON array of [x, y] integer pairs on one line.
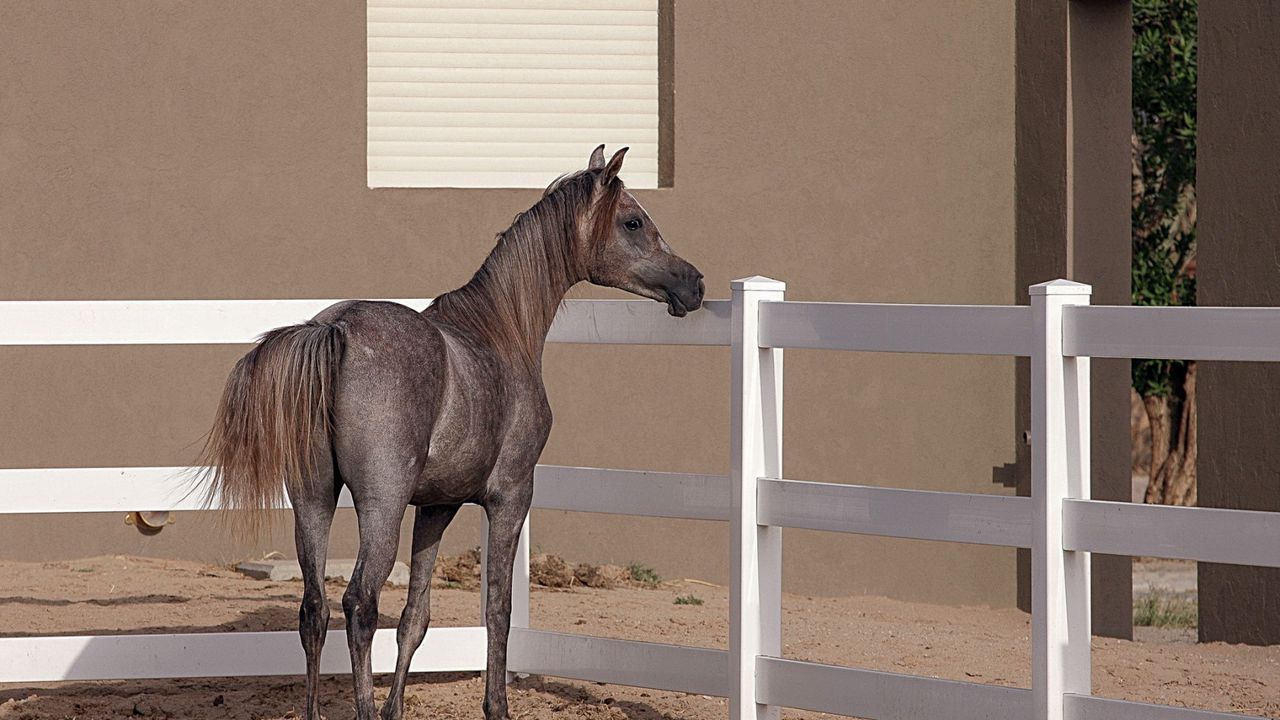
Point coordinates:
[[1060, 287], [757, 282]]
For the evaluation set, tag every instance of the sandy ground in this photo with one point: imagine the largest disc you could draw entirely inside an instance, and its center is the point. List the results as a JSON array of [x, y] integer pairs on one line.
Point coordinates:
[[1158, 575], [124, 594]]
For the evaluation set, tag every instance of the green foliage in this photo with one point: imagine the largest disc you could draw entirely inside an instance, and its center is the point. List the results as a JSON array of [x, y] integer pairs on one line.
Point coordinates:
[[1164, 126], [644, 574], [1163, 609], [689, 599]]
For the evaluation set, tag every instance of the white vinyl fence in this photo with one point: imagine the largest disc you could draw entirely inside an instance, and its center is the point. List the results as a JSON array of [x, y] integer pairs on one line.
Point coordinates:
[[1059, 331]]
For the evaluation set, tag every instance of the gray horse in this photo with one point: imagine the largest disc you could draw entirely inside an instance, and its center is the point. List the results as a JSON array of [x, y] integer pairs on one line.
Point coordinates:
[[431, 409]]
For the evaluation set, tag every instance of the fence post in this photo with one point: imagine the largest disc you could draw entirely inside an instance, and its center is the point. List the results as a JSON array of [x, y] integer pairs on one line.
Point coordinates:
[[1060, 622], [755, 588], [484, 566], [520, 584]]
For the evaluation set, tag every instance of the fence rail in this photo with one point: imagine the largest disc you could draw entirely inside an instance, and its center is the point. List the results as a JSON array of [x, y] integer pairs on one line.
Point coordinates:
[[1087, 707], [1186, 333], [884, 695], [890, 512], [36, 491], [1059, 523], [220, 654], [220, 322], [1241, 537], [686, 496], [624, 662], [950, 329]]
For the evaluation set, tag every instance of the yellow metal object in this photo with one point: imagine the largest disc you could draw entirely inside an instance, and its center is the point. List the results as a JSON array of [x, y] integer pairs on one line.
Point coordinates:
[[149, 522]]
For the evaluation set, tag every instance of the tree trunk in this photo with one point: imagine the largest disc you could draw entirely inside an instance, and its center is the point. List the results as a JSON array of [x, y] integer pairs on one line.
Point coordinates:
[[1157, 407], [1180, 488], [1173, 420]]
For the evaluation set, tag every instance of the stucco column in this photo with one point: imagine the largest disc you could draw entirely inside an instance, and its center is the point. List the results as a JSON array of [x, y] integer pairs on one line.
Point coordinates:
[[1073, 187], [1239, 264]]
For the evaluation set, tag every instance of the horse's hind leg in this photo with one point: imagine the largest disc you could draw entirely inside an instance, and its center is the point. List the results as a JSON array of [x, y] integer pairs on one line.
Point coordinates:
[[379, 519], [428, 527], [312, 515]]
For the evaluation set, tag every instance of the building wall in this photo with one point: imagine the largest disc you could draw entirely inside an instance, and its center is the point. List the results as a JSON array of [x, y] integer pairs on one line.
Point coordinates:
[[860, 151]]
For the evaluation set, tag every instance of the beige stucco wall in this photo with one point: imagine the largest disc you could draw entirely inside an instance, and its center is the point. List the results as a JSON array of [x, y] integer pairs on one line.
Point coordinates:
[[860, 151]]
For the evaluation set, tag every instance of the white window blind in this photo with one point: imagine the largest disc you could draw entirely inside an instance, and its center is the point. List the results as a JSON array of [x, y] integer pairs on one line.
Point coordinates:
[[509, 93]]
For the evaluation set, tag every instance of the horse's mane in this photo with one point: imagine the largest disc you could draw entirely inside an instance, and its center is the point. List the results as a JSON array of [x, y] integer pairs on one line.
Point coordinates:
[[512, 299]]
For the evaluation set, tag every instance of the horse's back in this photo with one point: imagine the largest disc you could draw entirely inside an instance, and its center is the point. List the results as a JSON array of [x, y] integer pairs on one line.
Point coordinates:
[[369, 318], [392, 353]]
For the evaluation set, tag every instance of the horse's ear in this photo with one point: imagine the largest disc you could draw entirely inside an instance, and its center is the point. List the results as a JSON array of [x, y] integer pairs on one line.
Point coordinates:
[[613, 168], [597, 159]]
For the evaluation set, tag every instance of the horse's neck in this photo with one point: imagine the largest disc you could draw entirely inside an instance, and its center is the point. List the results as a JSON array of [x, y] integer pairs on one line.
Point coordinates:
[[512, 300]]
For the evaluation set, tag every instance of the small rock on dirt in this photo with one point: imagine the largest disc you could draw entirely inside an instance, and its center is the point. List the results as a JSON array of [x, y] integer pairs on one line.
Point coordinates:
[[285, 570]]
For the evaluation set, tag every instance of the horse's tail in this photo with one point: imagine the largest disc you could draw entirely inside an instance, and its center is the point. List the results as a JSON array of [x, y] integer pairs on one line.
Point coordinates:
[[274, 417]]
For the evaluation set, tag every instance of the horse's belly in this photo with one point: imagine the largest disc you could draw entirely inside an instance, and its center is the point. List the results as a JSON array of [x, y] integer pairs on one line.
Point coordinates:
[[456, 471]]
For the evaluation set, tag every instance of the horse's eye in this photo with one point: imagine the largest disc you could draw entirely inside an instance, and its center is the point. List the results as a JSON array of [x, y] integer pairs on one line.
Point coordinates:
[[632, 225]]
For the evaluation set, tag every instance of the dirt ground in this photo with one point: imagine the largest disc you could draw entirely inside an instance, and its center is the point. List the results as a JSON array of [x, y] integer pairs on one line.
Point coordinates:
[[127, 594]]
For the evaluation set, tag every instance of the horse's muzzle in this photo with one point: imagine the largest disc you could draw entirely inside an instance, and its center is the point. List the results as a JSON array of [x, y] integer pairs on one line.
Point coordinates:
[[684, 294]]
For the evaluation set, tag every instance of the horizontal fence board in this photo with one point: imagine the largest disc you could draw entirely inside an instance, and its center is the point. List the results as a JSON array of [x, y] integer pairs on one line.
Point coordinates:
[[1088, 707], [121, 489], [640, 322], [1184, 333], [1242, 537], [943, 329], [186, 322], [238, 654], [891, 512], [152, 322], [883, 695], [703, 671], [632, 492], [126, 489]]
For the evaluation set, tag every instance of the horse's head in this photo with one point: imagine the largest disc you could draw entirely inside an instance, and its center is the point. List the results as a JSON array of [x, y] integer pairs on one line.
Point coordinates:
[[625, 250]]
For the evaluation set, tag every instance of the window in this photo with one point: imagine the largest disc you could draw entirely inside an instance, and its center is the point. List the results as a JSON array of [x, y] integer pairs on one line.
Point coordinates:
[[512, 93]]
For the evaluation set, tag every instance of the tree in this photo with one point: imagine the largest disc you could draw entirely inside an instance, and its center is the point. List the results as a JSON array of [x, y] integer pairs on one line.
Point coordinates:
[[1164, 228]]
